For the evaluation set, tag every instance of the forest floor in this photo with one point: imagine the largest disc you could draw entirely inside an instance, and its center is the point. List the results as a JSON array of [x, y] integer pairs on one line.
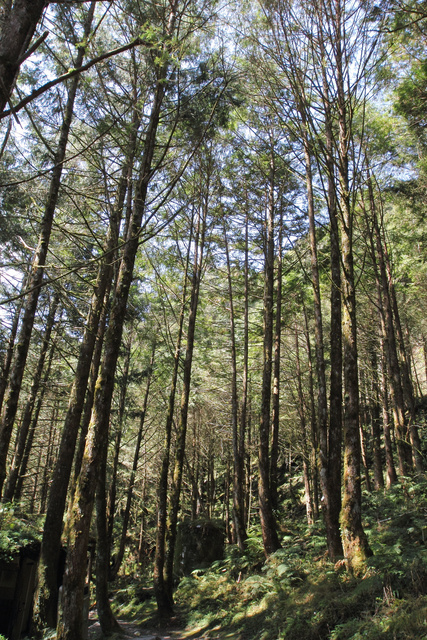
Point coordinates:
[[297, 593], [174, 631]]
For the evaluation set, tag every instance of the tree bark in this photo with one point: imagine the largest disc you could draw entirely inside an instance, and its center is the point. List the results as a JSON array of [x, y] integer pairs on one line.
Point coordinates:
[[17, 30], [238, 463], [268, 521]]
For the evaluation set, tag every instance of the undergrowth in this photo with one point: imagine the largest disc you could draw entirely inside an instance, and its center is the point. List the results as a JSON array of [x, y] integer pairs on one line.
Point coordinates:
[[17, 531], [297, 594]]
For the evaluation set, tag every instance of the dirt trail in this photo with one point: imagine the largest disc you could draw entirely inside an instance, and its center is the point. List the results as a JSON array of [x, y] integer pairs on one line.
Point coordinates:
[[132, 631]]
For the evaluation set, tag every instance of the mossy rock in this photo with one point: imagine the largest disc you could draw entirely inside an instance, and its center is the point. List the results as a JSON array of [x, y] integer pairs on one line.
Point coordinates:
[[199, 543]]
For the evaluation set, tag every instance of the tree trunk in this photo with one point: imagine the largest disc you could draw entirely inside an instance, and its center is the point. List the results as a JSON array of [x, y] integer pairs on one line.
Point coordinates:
[[330, 496], [32, 429], [46, 596], [302, 410], [375, 422], [335, 433], [313, 422], [111, 507], [268, 521], [387, 324], [238, 463], [355, 543], [390, 468], [244, 403], [12, 478], [69, 628], [10, 346], [164, 604], [119, 557], [182, 427], [18, 28], [48, 458], [90, 392], [108, 622], [274, 456]]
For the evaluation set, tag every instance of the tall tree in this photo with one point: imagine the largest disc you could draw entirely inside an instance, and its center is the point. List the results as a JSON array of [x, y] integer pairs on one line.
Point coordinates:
[[203, 197], [238, 462], [164, 604], [70, 625], [268, 521], [46, 597], [38, 265]]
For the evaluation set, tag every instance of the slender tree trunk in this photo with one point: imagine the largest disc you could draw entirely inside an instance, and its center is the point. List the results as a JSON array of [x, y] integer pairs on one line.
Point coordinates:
[[390, 468], [142, 545], [355, 543], [69, 627], [274, 456], [335, 433], [182, 427], [10, 346], [126, 516], [37, 270], [244, 403], [268, 521], [195, 473], [329, 494], [424, 338], [12, 478], [386, 317], [111, 507], [48, 458], [375, 422], [90, 392], [364, 456], [313, 423], [302, 410], [32, 429], [238, 468], [164, 604], [108, 622]]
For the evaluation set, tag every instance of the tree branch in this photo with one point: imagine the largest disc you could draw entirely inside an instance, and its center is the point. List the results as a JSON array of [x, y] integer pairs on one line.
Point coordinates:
[[70, 74]]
